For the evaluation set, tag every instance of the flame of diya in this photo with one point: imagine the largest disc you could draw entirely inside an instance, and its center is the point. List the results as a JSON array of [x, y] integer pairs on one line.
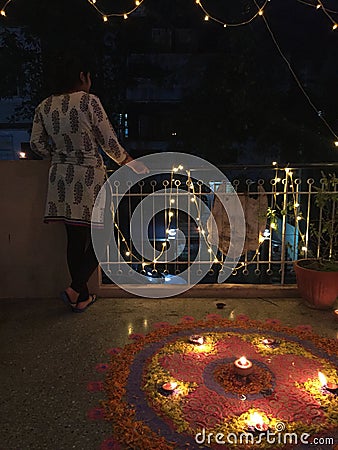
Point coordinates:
[[243, 366], [169, 386], [332, 387], [256, 422], [196, 339]]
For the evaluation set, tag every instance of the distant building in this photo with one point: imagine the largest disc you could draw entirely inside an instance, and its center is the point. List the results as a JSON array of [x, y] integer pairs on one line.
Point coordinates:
[[16, 109], [14, 136], [162, 67]]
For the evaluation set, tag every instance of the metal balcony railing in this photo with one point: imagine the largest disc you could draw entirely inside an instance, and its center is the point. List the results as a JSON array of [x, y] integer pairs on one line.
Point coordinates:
[[291, 213]]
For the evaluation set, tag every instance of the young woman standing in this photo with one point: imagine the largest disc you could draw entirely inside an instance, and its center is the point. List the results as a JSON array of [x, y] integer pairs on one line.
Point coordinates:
[[69, 127]]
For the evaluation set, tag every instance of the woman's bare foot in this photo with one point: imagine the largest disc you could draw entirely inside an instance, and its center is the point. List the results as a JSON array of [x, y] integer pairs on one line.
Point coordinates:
[[72, 295], [82, 306], [85, 303]]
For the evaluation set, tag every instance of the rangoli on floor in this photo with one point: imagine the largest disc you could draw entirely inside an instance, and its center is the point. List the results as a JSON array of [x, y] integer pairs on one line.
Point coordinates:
[[164, 392]]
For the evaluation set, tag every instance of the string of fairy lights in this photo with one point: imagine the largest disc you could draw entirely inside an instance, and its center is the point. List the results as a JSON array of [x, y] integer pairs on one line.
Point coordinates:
[[316, 4], [328, 12], [171, 213], [277, 211], [208, 16], [105, 16]]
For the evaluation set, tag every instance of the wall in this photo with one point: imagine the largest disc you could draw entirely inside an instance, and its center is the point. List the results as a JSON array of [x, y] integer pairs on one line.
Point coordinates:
[[32, 254]]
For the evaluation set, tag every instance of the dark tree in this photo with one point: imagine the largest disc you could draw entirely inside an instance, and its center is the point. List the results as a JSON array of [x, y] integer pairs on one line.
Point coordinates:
[[249, 99]]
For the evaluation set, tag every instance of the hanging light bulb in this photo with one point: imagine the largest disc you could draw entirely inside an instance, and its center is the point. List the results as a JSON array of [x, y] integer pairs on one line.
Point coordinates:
[[335, 26], [125, 16], [3, 12], [260, 12], [105, 19], [206, 17], [137, 3]]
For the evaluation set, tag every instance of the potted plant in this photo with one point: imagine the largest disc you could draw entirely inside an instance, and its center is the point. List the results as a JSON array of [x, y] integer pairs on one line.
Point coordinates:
[[317, 277]]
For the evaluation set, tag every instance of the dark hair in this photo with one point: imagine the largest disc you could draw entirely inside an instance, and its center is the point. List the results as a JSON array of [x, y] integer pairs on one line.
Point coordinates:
[[64, 70]]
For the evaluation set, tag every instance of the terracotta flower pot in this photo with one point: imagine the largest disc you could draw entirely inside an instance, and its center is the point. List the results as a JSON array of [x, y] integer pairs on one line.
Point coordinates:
[[318, 289]]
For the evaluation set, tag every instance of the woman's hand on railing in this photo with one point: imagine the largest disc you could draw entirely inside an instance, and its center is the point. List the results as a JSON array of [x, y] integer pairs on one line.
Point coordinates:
[[137, 166]]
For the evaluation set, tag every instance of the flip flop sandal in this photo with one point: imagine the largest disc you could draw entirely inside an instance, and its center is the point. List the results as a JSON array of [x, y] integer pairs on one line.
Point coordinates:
[[66, 300], [80, 310]]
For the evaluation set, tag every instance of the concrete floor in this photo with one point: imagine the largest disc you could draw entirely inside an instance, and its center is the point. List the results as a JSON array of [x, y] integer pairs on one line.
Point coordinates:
[[48, 355]]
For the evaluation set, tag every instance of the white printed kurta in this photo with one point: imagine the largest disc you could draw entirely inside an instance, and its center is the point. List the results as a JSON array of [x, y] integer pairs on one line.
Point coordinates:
[[70, 128]]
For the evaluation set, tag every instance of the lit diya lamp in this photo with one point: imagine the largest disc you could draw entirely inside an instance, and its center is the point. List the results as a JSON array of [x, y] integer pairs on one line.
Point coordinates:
[[196, 339], [270, 342], [243, 366], [256, 423], [169, 387], [327, 386]]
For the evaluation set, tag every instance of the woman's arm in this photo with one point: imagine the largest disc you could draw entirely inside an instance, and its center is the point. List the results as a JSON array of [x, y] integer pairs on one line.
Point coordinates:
[[104, 132], [39, 141], [107, 139]]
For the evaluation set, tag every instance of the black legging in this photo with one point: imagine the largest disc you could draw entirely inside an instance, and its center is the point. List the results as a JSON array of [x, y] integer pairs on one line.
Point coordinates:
[[81, 258]]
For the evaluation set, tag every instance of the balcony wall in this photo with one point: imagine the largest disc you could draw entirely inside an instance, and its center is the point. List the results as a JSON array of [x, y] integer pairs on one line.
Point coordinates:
[[32, 254]]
